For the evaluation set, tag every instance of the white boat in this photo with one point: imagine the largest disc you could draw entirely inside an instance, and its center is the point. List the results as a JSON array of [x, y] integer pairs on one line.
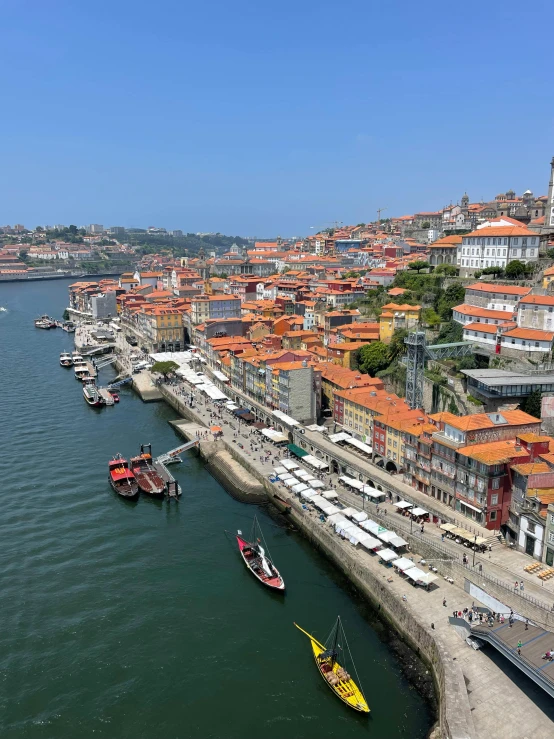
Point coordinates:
[[66, 359], [91, 394], [175, 459]]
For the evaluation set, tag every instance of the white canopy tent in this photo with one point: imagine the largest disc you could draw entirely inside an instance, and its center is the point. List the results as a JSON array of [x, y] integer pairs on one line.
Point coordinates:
[[387, 555], [427, 578], [415, 574], [402, 504], [274, 436], [372, 492], [386, 535], [287, 476], [332, 510], [220, 376], [370, 543], [341, 436], [337, 518], [397, 541], [283, 418], [360, 445], [329, 495], [291, 482], [418, 512], [303, 475], [318, 464], [355, 483], [359, 517], [316, 483], [349, 512], [290, 464], [279, 470], [299, 487], [309, 493], [404, 564]]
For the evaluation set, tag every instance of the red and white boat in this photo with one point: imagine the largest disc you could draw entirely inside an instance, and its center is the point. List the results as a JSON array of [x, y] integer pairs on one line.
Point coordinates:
[[257, 561], [122, 479]]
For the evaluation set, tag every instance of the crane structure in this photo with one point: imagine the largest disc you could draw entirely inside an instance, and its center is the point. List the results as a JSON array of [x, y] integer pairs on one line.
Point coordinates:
[[417, 352], [379, 211]]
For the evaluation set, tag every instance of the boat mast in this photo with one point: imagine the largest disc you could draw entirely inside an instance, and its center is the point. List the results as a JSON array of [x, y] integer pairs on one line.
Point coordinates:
[[335, 641]]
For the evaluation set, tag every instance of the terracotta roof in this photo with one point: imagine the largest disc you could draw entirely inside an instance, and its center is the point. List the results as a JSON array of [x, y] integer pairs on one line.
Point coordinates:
[[488, 231], [486, 287], [529, 333], [476, 312], [486, 328], [538, 299], [532, 468], [453, 240], [483, 420]]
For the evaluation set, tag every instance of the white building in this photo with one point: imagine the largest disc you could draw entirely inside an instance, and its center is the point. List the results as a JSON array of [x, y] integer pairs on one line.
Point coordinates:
[[536, 312], [494, 244]]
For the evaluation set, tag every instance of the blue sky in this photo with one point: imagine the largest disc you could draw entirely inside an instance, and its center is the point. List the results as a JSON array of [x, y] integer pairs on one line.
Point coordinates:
[[258, 118]]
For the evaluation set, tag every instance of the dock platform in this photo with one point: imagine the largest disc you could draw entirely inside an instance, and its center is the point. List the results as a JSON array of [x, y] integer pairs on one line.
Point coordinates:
[[173, 489], [104, 393]]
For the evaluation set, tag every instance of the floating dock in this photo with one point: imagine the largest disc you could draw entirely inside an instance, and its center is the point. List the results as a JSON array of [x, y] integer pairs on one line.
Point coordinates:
[[106, 395]]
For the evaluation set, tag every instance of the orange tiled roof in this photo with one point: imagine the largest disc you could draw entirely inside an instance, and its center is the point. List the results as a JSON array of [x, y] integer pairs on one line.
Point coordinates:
[[538, 299], [477, 312], [529, 333], [477, 421], [494, 452], [486, 328], [486, 287]]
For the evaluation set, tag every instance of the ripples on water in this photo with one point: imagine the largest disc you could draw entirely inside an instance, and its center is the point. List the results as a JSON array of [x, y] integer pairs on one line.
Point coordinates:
[[139, 620]]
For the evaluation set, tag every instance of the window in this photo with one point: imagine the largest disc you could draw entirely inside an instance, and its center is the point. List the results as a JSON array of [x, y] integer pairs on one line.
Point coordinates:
[[494, 499], [493, 516]]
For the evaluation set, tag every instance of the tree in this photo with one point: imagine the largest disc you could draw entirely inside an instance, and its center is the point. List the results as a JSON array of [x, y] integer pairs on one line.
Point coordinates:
[[492, 271], [165, 368], [397, 347], [418, 266], [447, 299], [516, 269], [446, 269], [550, 253], [426, 224], [450, 333], [430, 317], [532, 404], [373, 357]]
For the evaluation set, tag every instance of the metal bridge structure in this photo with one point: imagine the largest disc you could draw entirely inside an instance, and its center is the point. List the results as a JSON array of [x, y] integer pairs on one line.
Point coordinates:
[[417, 352]]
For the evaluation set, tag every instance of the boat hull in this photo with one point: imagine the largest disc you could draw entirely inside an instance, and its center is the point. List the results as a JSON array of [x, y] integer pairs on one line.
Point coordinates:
[[347, 690], [129, 491], [275, 583], [150, 482]]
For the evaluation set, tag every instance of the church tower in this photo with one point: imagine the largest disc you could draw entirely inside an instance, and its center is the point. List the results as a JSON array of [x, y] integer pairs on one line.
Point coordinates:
[[549, 220], [465, 203]]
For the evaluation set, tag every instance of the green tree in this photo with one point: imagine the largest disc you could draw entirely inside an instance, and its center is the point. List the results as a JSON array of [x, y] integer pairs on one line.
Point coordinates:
[[426, 224], [165, 368], [550, 253], [492, 271], [397, 347], [373, 357], [430, 317], [447, 299], [532, 404], [446, 269], [516, 269], [450, 333], [418, 266]]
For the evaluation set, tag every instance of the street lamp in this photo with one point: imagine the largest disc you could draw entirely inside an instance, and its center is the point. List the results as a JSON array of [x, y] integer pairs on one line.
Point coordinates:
[[474, 548]]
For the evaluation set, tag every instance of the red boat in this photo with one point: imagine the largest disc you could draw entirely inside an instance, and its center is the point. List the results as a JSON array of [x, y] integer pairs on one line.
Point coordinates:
[[115, 396], [255, 559], [147, 476], [122, 479]]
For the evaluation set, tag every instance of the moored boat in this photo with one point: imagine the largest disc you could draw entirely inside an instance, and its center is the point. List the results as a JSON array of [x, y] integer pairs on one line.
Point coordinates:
[[91, 394], [41, 323], [147, 476], [66, 359], [257, 561], [330, 659], [122, 479], [114, 395]]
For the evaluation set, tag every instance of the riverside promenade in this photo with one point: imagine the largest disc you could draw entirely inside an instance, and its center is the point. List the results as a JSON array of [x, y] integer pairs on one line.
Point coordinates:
[[487, 689]]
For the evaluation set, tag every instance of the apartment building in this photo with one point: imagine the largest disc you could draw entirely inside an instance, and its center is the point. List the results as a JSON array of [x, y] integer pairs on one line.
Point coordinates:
[[395, 317], [162, 327], [470, 462], [205, 307], [536, 312]]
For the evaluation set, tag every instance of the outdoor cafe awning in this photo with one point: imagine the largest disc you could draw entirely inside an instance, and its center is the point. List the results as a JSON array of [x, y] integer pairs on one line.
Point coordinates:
[[404, 564], [448, 526], [297, 451], [403, 504], [418, 512], [289, 464], [387, 555]]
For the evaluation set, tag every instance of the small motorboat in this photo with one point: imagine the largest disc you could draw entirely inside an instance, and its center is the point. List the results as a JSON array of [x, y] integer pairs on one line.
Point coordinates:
[[66, 359], [257, 561], [122, 479], [114, 395], [173, 459], [41, 323], [330, 659]]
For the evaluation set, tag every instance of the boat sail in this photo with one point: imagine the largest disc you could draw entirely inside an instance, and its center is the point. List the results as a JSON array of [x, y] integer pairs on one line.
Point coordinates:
[[257, 558], [331, 659]]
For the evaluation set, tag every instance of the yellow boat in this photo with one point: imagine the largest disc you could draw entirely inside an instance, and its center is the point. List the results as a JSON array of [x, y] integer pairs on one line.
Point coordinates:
[[333, 673]]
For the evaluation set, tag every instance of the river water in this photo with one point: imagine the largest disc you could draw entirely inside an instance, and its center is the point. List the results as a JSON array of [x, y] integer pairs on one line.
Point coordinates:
[[139, 620]]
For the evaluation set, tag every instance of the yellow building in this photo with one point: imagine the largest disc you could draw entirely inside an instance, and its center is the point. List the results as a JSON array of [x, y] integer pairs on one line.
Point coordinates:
[[395, 317], [163, 327], [548, 277]]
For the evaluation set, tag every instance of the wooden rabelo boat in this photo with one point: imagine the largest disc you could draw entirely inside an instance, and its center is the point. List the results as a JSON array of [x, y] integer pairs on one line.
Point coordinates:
[[330, 659], [122, 479], [257, 561], [147, 476]]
